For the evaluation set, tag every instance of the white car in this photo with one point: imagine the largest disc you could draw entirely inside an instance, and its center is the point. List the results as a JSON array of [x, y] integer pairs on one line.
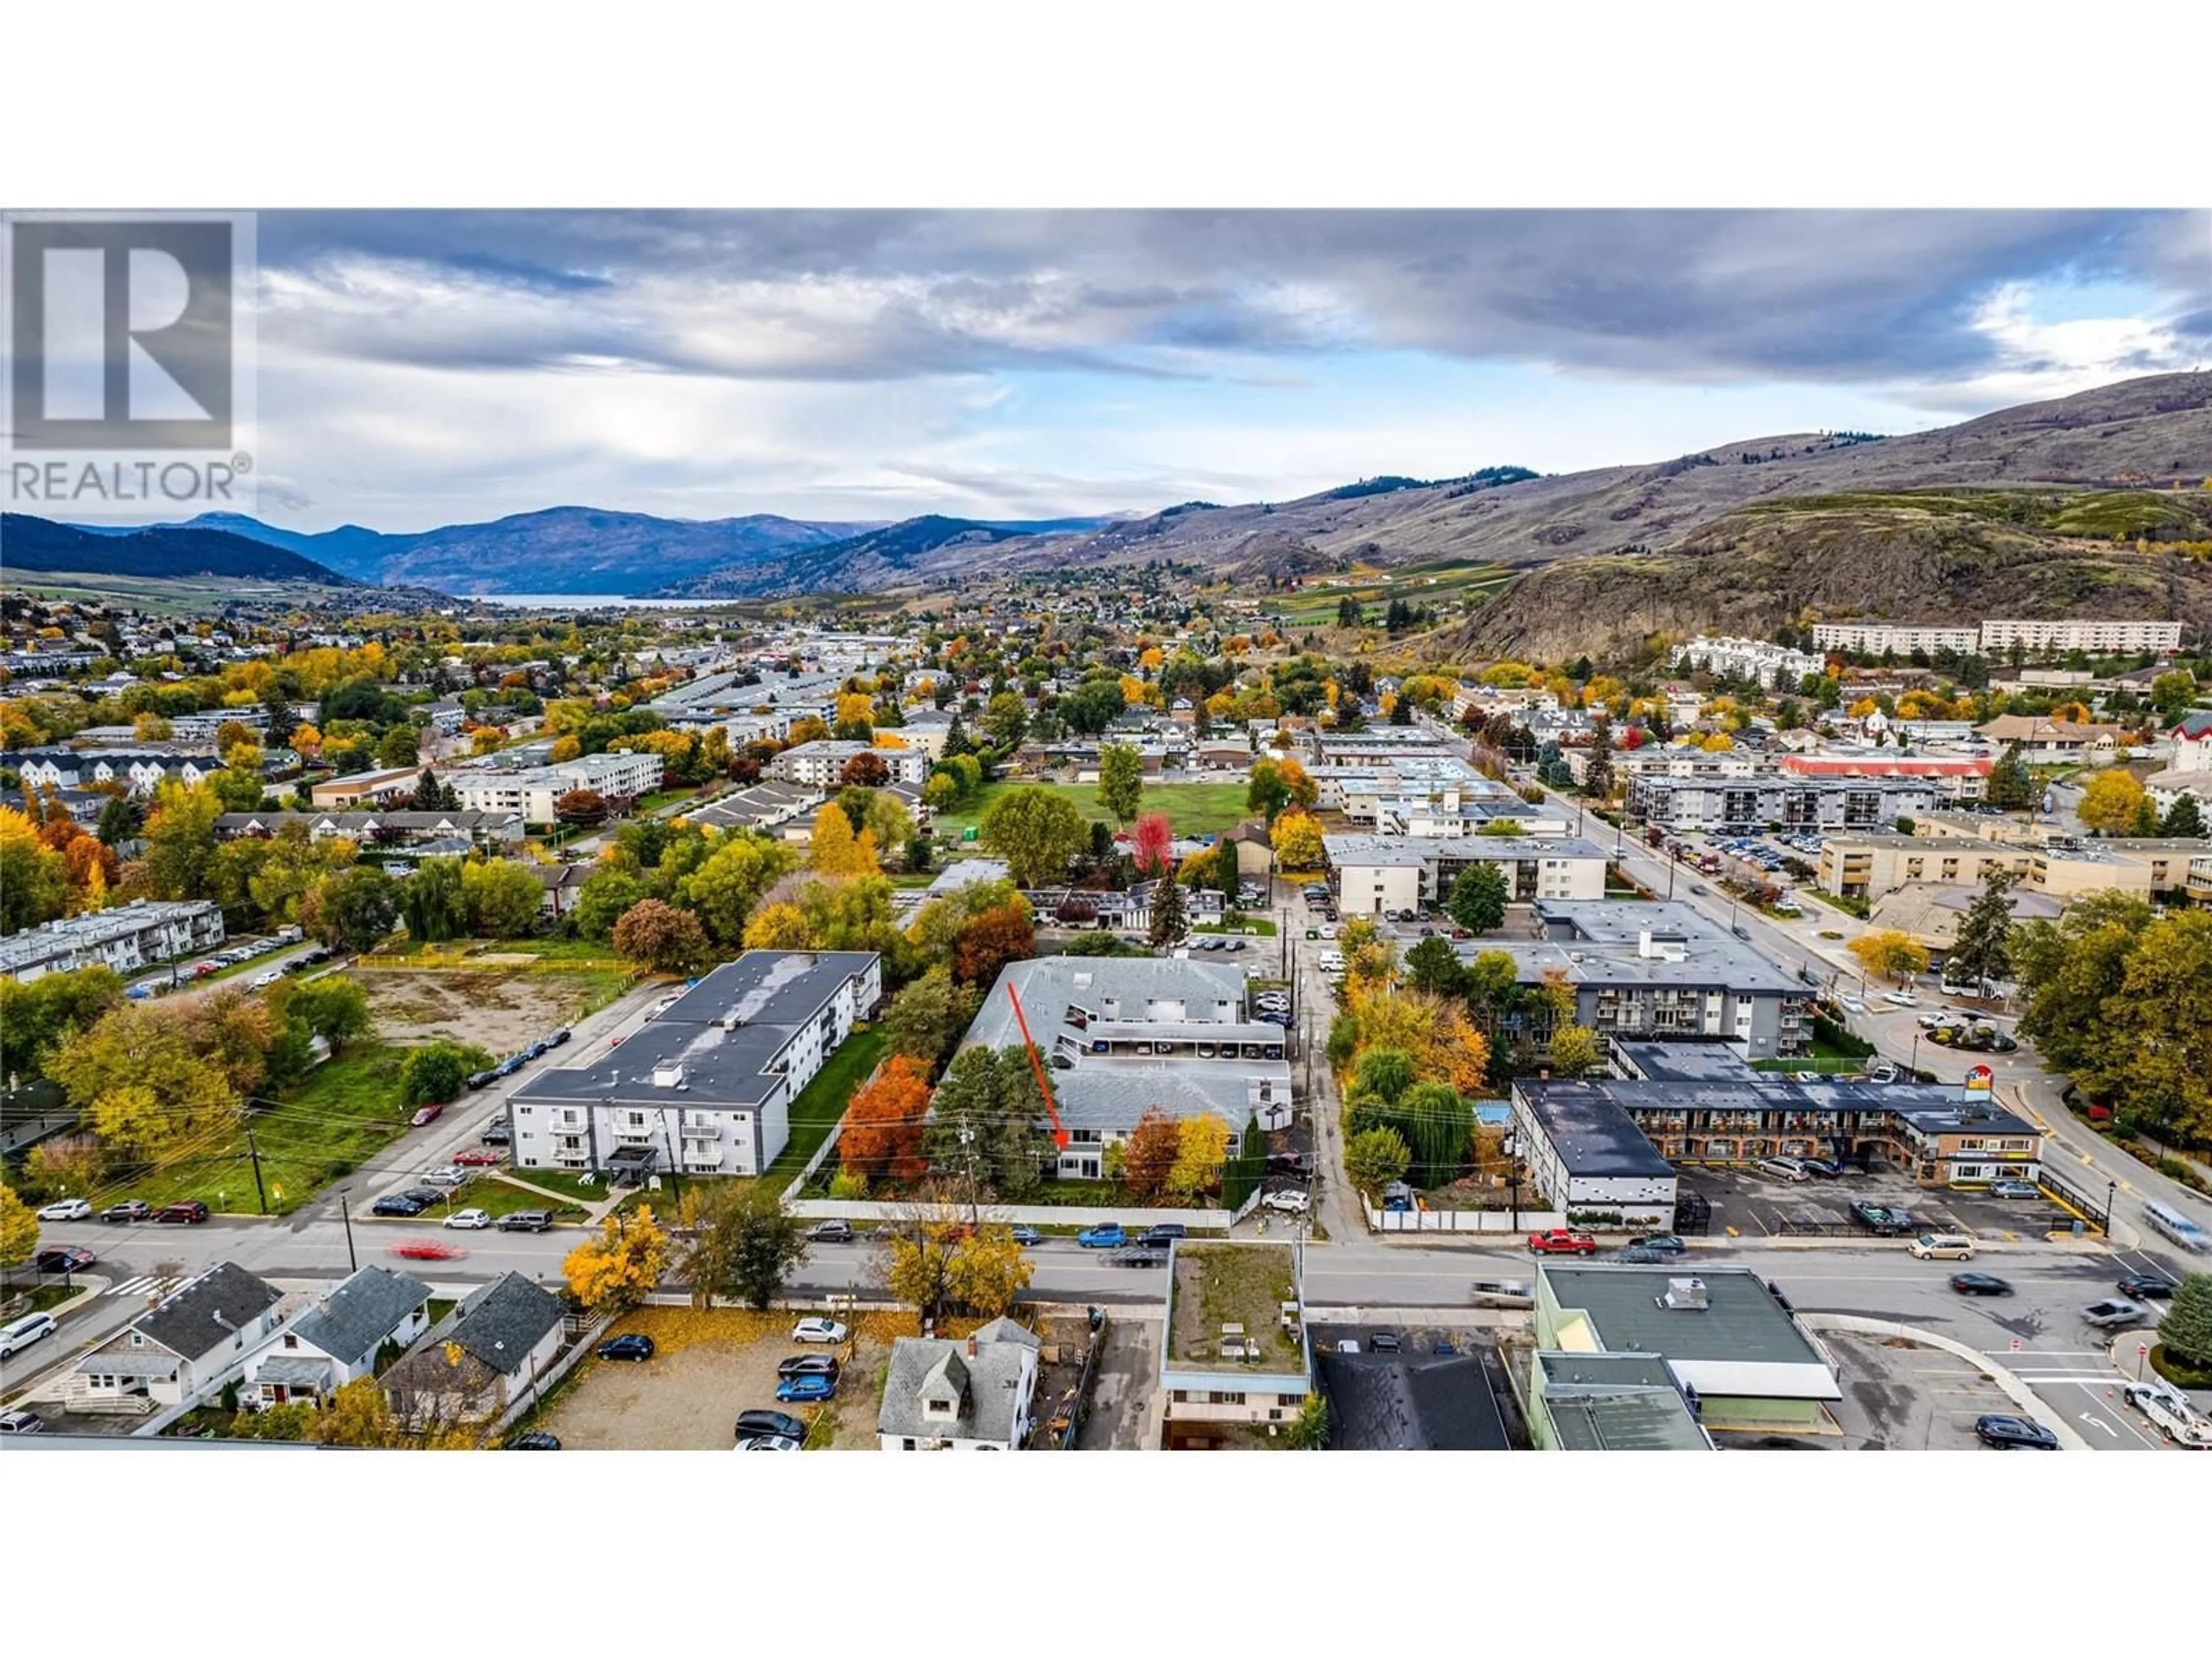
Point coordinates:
[[1853, 1004], [264, 980], [818, 1330], [1932, 1022], [1290, 1201], [447, 1175], [1900, 998], [469, 1218], [66, 1209], [768, 1442], [1332, 961]]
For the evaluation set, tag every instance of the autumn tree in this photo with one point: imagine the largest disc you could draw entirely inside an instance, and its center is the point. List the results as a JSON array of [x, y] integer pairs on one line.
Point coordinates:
[[664, 939], [779, 926], [34, 878], [620, 1268], [734, 878], [19, 1229], [926, 1020], [2110, 803], [1037, 832], [434, 1074], [1120, 780], [584, 806], [1886, 953], [988, 1272], [1267, 793], [1155, 845], [1149, 1158], [1297, 837], [835, 850], [883, 1129], [1201, 1149], [866, 770], [351, 909], [991, 940], [1574, 1050]]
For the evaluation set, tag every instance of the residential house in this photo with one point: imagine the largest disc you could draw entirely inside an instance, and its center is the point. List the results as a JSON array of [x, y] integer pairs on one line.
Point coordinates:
[[1236, 1364], [336, 1339], [183, 1349], [482, 1358], [976, 1395], [139, 771]]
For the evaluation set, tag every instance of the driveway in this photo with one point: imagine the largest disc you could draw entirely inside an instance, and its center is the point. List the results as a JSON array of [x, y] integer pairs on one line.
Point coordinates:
[[1122, 1418]]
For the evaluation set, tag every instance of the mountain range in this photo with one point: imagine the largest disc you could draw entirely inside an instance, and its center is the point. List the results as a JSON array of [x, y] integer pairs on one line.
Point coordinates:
[[158, 552]]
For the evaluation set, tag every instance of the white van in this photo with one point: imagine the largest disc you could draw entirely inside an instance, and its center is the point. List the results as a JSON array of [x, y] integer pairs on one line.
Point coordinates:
[[1782, 1169], [1943, 1247], [20, 1333]]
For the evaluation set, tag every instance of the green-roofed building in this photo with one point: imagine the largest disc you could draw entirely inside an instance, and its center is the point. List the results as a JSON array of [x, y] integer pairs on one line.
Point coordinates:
[[1610, 1402]]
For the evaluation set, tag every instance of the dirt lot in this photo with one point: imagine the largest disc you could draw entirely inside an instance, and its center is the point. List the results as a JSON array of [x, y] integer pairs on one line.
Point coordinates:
[[498, 1013], [707, 1367]]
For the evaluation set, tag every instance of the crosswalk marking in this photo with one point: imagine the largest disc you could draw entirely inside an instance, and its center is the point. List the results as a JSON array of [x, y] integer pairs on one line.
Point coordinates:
[[144, 1284]]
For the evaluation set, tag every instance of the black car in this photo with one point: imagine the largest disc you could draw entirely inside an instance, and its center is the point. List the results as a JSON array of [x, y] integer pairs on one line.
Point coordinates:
[[763, 1422], [2147, 1287], [498, 1134], [478, 1080], [425, 1196], [536, 1440], [1821, 1167], [1158, 1237], [68, 1259], [396, 1204], [809, 1364], [526, 1221], [1384, 1342], [1667, 1242], [557, 1039], [1979, 1285], [535, 1051], [2015, 1434], [635, 1345]]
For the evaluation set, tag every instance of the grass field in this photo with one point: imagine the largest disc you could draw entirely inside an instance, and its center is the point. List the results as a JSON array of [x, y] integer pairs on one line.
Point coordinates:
[[823, 1102], [343, 1112], [1432, 585], [1192, 809]]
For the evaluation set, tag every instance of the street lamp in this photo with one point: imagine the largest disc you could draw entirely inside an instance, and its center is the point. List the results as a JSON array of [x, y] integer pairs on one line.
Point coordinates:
[[345, 1214], [1913, 1065], [2112, 1190]]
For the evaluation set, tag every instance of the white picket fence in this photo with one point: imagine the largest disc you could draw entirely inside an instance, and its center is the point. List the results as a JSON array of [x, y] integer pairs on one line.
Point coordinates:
[[1036, 1215], [1461, 1221]]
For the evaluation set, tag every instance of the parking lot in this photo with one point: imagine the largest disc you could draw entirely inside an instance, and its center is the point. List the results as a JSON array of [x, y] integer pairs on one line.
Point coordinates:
[[1900, 1395], [709, 1366], [1763, 1207]]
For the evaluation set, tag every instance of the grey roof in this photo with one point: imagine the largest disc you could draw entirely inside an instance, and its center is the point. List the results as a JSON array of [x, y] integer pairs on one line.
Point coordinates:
[[725, 1033], [297, 1371], [1616, 1402], [1741, 1321], [356, 1316], [503, 1322], [116, 1363], [1596, 942], [1049, 985], [985, 1383], [1410, 1402], [209, 1311], [1369, 851], [1658, 1059], [1108, 1097], [1591, 1131]]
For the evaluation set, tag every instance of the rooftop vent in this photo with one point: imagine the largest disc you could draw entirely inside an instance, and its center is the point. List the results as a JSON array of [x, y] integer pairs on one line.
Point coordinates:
[[668, 1076], [1686, 1293]]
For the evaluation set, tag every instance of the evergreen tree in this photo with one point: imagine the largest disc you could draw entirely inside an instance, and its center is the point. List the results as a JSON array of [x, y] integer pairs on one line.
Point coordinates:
[[2185, 1333], [1167, 912], [1983, 948], [2011, 786], [2183, 819], [1597, 778]]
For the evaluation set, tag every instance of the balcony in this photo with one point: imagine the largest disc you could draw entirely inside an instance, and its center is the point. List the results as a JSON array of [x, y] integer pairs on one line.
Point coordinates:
[[710, 1134], [634, 1135]]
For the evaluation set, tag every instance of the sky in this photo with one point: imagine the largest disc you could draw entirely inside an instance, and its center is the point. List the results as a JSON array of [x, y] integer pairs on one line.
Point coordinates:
[[420, 369]]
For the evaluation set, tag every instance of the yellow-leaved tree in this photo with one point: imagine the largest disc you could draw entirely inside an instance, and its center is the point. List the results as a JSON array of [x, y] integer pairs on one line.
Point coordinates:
[[780, 927], [620, 1268], [1886, 953], [1201, 1150]]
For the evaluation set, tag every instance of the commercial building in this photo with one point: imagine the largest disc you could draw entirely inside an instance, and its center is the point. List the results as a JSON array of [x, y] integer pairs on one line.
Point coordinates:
[[1654, 969], [707, 1087], [1610, 1402], [1371, 875], [2062, 867], [380, 788], [1795, 803], [128, 938], [1127, 1034], [1737, 1353], [2043, 739], [1955, 777], [1236, 1362]]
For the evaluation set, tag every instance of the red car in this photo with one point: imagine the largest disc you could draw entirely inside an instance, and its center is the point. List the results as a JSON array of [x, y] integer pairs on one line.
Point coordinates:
[[428, 1114], [428, 1249], [1558, 1241], [479, 1155]]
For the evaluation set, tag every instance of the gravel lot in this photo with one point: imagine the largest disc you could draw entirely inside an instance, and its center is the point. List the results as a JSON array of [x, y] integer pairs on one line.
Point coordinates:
[[498, 1012], [708, 1367]]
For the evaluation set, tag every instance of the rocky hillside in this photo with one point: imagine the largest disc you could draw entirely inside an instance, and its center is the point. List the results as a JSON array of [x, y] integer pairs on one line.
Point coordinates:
[[1939, 555], [2151, 430]]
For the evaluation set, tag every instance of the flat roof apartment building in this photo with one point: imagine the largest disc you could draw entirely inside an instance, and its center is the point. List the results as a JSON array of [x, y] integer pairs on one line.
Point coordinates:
[[532, 792], [128, 938], [707, 1087], [1794, 803], [1373, 874]]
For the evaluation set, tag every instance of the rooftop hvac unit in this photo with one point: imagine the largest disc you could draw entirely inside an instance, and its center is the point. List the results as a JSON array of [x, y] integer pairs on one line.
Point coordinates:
[[1686, 1293]]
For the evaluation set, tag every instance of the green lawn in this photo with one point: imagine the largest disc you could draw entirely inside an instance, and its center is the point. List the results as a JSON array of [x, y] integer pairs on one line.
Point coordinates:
[[343, 1112], [823, 1102], [558, 1181], [497, 1198], [1192, 809], [1257, 926]]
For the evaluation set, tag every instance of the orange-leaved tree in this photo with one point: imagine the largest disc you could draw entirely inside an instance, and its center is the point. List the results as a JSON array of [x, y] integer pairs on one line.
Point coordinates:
[[884, 1123]]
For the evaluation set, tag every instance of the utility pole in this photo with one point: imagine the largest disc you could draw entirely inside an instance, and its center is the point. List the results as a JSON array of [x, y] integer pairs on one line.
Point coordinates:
[[253, 1152], [345, 1214]]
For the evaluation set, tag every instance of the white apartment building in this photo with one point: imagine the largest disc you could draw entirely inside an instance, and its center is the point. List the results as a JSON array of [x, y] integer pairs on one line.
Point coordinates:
[[532, 791], [2124, 637], [821, 762], [1903, 638], [128, 938], [1762, 661], [707, 1087], [1372, 875]]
